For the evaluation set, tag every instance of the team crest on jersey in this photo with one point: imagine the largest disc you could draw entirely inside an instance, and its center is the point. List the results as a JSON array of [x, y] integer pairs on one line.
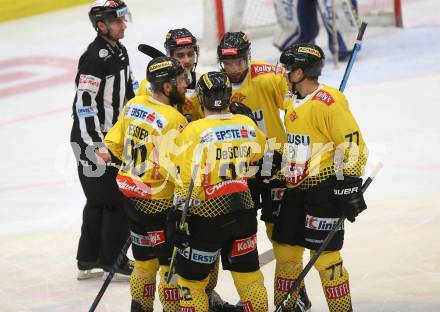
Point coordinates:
[[146, 115], [293, 116], [261, 69], [238, 97], [228, 133], [324, 97]]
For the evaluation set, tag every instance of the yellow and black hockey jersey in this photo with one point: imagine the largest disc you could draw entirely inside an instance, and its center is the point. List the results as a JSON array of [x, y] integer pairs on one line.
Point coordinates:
[[192, 109], [264, 92], [224, 145], [323, 139], [144, 138]]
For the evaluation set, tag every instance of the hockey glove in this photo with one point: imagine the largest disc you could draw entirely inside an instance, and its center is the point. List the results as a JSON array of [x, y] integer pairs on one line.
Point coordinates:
[[349, 197], [269, 168], [240, 108], [178, 235]]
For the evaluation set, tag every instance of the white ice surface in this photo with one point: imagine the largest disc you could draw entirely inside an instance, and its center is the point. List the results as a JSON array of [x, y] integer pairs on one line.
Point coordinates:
[[392, 251]]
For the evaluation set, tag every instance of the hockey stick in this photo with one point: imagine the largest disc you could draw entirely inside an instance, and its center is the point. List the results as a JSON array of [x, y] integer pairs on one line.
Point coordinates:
[[150, 51], [356, 48], [185, 210], [107, 281], [325, 243], [335, 42]]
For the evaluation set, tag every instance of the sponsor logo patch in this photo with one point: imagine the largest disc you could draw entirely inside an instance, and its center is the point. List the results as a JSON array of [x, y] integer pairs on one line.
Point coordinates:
[[146, 115], [321, 224], [324, 97], [261, 69], [132, 188], [204, 257], [229, 51], [338, 291], [284, 284], [160, 65], [247, 307], [89, 83], [244, 246], [171, 294], [184, 40], [152, 239], [228, 133], [149, 290], [310, 51], [88, 111], [224, 188]]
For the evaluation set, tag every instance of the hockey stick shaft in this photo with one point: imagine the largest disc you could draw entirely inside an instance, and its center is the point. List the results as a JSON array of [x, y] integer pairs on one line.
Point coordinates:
[[107, 281], [354, 52], [185, 211], [324, 245], [150, 51]]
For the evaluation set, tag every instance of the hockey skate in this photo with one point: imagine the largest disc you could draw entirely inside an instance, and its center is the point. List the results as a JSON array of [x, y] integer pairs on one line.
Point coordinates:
[[217, 304], [122, 274], [89, 269]]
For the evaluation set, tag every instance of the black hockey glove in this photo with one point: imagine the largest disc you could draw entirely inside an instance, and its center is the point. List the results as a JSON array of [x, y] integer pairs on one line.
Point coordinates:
[[269, 168], [240, 108], [176, 234], [349, 197]]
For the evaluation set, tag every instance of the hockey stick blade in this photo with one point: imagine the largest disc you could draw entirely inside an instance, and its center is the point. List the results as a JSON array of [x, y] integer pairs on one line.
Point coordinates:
[[298, 281], [150, 51]]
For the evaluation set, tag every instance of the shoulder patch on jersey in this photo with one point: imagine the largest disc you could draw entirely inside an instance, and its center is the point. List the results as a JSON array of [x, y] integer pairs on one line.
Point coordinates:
[[86, 111], [89, 83], [261, 69], [146, 115], [324, 97], [103, 53]]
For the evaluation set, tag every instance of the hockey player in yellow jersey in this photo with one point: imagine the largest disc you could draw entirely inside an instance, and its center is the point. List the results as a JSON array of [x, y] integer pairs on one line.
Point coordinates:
[[143, 139], [257, 85], [182, 45], [325, 156], [222, 220]]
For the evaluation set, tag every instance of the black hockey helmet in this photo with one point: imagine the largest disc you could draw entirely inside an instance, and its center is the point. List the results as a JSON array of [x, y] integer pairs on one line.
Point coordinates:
[[163, 69], [233, 45], [180, 38], [309, 57], [103, 10], [214, 90]]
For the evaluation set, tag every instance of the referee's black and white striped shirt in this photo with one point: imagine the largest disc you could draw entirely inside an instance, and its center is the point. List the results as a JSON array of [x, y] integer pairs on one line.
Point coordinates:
[[103, 86]]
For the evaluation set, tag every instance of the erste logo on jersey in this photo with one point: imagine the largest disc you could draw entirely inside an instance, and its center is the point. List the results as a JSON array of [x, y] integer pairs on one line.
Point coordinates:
[[321, 224], [261, 69], [224, 188], [324, 97], [89, 83], [228, 133], [244, 246], [86, 111], [146, 115]]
